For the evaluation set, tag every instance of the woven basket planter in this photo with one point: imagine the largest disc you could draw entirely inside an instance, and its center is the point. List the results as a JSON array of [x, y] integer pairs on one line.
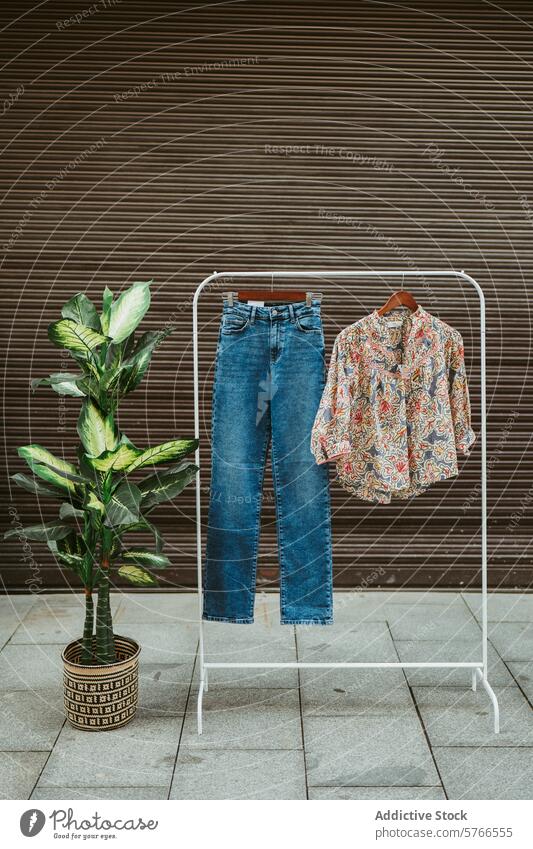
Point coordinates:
[[99, 698]]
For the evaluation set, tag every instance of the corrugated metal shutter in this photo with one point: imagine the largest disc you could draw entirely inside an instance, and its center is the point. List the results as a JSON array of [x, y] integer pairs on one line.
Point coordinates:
[[144, 146]]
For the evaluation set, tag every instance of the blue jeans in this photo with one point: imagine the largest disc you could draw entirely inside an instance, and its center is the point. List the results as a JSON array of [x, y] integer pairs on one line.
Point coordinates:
[[269, 377]]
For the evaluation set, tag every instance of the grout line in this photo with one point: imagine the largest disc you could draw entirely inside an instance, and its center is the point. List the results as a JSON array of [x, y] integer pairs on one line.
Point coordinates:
[[483, 747], [381, 786], [301, 716], [186, 707], [423, 727], [48, 758], [515, 679]]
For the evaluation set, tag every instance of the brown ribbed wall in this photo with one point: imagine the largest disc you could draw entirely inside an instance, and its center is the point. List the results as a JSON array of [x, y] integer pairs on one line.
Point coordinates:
[[184, 180]]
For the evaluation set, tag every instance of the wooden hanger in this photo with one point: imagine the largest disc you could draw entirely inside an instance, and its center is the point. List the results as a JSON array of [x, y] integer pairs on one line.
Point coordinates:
[[272, 295], [401, 298], [290, 295]]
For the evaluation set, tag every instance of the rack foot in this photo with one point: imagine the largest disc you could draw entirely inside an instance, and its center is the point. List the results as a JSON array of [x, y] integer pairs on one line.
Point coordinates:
[[206, 681], [199, 706], [494, 700], [474, 680]]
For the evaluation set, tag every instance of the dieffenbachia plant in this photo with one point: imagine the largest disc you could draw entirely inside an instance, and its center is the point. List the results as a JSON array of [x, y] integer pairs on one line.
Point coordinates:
[[101, 503]]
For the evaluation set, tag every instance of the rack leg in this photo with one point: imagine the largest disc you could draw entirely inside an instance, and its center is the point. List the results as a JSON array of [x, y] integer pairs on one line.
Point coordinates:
[[494, 700], [199, 706], [474, 680]]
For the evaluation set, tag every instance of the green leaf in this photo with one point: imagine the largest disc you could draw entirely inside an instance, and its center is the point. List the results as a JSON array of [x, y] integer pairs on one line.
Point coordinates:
[[67, 550], [33, 485], [94, 503], [48, 467], [116, 354], [124, 505], [82, 310], [72, 544], [134, 367], [137, 576], [96, 431], [145, 525], [128, 311], [165, 486], [68, 388], [69, 476], [116, 460], [43, 532], [76, 337], [107, 300], [56, 377], [90, 385], [164, 453], [143, 557], [68, 511]]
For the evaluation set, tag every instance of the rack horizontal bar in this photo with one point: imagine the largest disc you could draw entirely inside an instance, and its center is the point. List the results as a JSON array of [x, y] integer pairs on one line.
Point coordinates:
[[342, 665]]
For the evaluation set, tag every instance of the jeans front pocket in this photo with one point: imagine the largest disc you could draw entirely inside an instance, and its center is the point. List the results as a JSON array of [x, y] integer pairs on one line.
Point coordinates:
[[309, 322], [234, 322]]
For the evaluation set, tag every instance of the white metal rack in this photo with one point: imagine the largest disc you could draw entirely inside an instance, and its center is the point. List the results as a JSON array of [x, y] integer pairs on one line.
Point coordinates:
[[479, 669]]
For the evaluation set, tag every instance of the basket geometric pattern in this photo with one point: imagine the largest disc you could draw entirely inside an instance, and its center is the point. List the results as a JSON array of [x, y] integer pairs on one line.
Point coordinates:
[[99, 698]]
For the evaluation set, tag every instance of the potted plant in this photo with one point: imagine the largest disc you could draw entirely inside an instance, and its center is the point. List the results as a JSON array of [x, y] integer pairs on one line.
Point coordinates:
[[102, 500]]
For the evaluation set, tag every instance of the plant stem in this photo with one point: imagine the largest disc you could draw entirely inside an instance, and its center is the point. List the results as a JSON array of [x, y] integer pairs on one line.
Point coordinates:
[[105, 642], [87, 641]]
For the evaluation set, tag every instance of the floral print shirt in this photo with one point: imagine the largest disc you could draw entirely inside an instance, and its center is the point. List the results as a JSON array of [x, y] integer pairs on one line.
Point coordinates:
[[395, 410]]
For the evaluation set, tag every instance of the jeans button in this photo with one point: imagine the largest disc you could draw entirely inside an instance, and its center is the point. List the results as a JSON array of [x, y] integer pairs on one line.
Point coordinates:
[[274, 312]]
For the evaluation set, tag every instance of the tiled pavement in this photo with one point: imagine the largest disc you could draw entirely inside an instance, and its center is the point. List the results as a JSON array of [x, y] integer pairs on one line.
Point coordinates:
[[281, 734]]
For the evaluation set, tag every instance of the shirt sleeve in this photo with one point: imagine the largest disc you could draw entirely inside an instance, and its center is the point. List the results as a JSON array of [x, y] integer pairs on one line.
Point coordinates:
[[330, 436], [459, 398]]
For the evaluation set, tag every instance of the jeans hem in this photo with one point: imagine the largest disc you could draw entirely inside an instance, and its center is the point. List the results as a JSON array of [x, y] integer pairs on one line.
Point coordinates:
[[326, 621], [208, 618]]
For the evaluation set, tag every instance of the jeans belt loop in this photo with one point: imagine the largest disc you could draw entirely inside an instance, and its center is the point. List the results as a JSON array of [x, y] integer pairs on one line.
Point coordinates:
[[291, 313], [252, 315]]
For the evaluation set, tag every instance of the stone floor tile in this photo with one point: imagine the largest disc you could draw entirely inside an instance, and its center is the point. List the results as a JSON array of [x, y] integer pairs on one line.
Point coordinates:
[[158, 608], [89, 793], [503, 607], [252, 774], [19, 772], [173, 643], [17, 603], [422, 622], [343, 642], [6, 634], [164, 687], [512, 640], [486, 773], [430, 596], [30, 720], [226, 643], [442, 651], [367, 750], [140, 754], [329, 692], [523, 673], [30, 667], [55, 619], [245, 719], [354, 608], [371, 793], [454, 716]]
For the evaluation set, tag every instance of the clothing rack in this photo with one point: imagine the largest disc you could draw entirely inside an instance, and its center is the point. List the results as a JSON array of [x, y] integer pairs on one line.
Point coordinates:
[[479, 669]]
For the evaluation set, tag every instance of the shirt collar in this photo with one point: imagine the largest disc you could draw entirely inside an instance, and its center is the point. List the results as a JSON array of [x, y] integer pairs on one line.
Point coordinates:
[[417, 343], [417, 317]]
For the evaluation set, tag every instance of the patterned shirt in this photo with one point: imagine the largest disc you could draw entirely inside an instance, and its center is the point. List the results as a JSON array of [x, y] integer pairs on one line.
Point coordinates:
[[395, 410]]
